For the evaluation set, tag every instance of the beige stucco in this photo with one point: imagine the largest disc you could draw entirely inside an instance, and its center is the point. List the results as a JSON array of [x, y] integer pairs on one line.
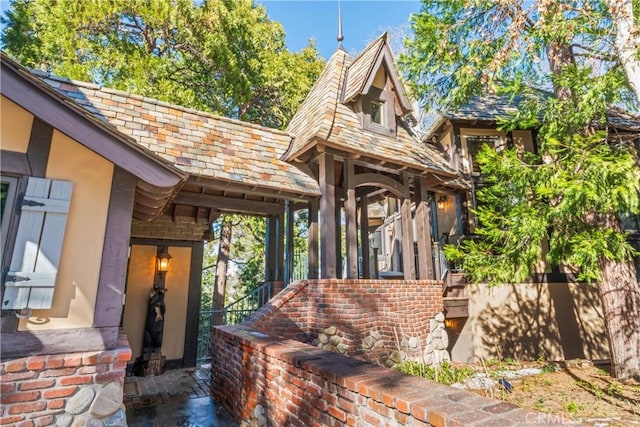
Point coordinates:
[[78, 273], [15, 126], [139, 286], [555, 321]]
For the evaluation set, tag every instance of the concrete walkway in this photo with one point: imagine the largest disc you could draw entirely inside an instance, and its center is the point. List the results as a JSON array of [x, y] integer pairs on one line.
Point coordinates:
[[176, 398]]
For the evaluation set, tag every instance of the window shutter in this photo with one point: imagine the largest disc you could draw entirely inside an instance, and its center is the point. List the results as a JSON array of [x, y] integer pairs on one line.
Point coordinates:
[[31, 279]]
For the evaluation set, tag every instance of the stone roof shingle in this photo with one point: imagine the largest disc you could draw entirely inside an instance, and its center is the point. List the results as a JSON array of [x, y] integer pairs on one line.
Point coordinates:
[[199, 143]]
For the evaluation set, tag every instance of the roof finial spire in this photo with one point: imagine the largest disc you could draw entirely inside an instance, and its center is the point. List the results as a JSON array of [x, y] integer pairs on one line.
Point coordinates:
[[340, 36]]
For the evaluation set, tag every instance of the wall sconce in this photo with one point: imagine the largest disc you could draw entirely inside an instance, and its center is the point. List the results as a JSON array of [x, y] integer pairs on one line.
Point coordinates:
[[162, 264], [442, 202]]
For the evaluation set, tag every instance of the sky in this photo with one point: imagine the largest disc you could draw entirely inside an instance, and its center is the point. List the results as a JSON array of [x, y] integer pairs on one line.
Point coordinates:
[[362, 21]]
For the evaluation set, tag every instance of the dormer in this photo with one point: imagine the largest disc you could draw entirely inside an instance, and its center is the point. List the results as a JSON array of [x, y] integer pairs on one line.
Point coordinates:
[[373, 89]]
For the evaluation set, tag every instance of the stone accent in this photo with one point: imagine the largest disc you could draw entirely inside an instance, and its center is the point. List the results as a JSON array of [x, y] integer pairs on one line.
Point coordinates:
[[258, 376], [329, 339], [73, 389], [435, 351]]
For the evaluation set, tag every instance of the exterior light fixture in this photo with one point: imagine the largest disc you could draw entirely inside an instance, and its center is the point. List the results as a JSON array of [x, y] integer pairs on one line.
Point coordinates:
[[162, 261], [442, 202]]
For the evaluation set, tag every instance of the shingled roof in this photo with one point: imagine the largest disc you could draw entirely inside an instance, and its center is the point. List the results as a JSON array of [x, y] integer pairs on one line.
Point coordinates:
[[326, 118], [204, 145]]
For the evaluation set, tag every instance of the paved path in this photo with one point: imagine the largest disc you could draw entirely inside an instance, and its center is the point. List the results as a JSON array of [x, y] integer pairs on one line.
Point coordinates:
[[177, 398]]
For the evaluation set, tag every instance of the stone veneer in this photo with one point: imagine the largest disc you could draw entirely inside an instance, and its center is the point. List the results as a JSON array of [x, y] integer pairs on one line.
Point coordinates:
[[265, 380], [369, 318], [73, 389]]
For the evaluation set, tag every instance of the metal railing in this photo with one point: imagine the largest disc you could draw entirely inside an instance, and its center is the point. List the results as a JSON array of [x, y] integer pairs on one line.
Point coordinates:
[[232, 314]]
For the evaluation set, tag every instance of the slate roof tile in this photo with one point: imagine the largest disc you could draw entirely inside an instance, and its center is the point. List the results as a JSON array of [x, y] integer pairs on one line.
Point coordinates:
[[323, 117], [196, 142]]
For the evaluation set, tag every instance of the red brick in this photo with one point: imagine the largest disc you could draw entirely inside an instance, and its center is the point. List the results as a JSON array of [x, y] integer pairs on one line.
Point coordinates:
[[26, 396], [56, 404], [14, 366], [36, 363], [124, 355], [28, 423], [337, 413], [11, 420], [7, 387], [55, 361], [119, 365], [23, 408], [72, 360], [36, 384], [76, 379], [57, 372], [90, 358], [59, 392], [106, 357], [18, 376]]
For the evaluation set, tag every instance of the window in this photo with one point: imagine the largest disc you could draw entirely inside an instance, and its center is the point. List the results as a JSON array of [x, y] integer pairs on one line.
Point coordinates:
[[377, 115], [474, 144], [7, 197]]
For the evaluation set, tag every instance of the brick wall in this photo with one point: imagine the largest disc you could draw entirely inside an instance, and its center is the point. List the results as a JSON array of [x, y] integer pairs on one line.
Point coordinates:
[[164, 227], [275, 381], [391, 309], [64, 389]]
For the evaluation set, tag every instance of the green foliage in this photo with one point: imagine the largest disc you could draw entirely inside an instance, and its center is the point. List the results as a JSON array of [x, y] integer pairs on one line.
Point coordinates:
[[445, 373], [221, 56], [570, 194]]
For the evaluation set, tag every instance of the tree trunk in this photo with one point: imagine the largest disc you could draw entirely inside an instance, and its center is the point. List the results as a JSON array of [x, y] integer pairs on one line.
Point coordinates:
[[620, 297], [627, 41], [222, 263]]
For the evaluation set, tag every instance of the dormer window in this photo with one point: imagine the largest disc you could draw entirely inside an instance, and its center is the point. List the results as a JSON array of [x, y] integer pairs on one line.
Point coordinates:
[[377, 115]]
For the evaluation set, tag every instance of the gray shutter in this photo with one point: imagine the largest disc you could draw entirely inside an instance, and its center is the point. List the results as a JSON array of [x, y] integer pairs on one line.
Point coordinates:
[[33, 269]]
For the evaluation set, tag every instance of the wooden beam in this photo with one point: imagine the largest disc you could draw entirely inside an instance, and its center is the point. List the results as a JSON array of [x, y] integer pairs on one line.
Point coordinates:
[[39, 147], [328, 220], [190, 353], [288, 244], [115, 251], [280, 244], [14, 163], [364, 236], [221, 203], [270, 249], [312, 272], [423, 231], [351, 224], [377, 180], [276, 193], [57, 341], [408, 254]]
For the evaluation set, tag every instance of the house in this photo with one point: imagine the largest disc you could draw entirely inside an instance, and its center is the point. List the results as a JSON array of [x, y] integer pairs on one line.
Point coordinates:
[[134, 180]]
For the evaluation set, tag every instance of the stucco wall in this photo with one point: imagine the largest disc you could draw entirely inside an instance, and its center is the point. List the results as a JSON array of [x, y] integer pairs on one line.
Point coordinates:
[[555, 321], [139, 286], [79, 269], [15, 126]]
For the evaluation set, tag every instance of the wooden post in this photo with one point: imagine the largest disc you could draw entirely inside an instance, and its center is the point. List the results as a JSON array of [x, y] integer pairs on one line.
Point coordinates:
[[328, 218], [423, 230], [279, 261], [312, 268], [270, 249], [364, 236], [288, 266], [350, 220], [408, 254]]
